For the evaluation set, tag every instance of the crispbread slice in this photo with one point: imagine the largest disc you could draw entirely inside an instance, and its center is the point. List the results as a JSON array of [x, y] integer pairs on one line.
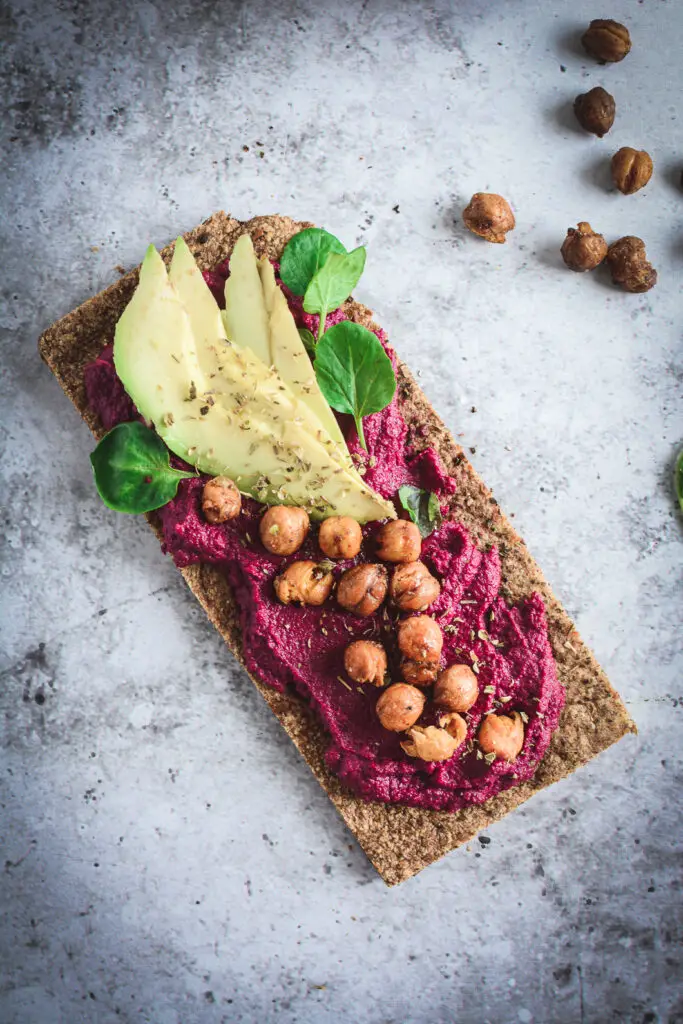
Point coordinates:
[[398, 840]]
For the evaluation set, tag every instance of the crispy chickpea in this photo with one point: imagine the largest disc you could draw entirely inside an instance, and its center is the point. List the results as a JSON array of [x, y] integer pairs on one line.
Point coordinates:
[[502, 735], [399, 541], [583, 249], [489, 216], [631, 169], [413, 588], [362, 589], [420, 638], [606, 40], [430, 743], [221, 500], [419, 673], [456, 688], [399, 707], [455, 725], [365, 662], [283, 529], [629, 265], [303, 583], [340, 537]]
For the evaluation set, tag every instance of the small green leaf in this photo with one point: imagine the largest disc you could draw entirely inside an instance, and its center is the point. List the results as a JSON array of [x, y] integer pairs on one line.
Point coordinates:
[[132, 469], [304, 255], [308, 339], [354, 372], [422, 507], [335, 281], [679, 479]]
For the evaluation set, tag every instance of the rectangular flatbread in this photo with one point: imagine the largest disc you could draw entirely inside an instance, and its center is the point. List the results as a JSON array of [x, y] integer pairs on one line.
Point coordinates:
[[398, 840]]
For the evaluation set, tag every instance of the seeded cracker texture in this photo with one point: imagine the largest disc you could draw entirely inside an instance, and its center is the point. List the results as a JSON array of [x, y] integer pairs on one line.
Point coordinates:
[[399, 841]]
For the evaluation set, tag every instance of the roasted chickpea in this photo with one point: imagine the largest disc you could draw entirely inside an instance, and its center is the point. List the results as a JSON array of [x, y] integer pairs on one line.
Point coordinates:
[[419, 673], [420, 638], [283, 529], [606, 40], [595, 111], [340, 537], [430, 743], [399, 541], [221, 500], [629, 265], [304, 583], [455, 725], [631, 169], [583, 249], [456, 688], [489, 216], [413, 588], [502, 735], [362, 589], [399, 707], [366, 662]]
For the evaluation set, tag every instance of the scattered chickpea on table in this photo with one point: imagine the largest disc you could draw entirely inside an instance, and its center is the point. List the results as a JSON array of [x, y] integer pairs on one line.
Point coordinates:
[[490, 216]]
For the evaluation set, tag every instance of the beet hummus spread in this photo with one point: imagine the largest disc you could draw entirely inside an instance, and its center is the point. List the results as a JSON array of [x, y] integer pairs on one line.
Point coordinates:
[[303, 647]]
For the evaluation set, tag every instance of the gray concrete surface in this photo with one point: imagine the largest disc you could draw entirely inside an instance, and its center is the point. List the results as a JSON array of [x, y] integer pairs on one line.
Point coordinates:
[[167, 856]]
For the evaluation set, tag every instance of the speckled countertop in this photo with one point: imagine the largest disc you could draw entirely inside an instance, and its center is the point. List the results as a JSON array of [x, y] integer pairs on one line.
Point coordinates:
[[168, 857]]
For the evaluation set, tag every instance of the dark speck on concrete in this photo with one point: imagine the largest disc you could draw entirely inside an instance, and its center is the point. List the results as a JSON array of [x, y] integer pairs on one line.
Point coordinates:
[[563, 975], [485, 840]]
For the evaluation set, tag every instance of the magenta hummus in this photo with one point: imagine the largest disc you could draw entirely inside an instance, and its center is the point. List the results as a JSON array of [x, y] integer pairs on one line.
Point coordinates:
[[303, 647]]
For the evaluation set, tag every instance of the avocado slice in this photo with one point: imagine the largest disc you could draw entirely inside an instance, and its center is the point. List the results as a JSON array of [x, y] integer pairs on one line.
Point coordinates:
[[210, 337], [283, 347], [291, 360], [238, 418], [245, 315], [206, 322]]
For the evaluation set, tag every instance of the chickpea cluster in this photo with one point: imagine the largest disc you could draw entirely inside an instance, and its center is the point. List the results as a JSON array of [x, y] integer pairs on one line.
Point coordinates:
[[398, 575], [362, 588], [490, 216]]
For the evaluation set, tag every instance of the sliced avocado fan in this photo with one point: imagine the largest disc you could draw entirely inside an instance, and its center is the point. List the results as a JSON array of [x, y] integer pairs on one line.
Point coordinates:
[[257, 316], [220, 407]]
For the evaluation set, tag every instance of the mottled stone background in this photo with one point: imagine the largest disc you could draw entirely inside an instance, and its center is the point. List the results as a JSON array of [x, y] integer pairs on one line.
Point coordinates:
[[167, 855]]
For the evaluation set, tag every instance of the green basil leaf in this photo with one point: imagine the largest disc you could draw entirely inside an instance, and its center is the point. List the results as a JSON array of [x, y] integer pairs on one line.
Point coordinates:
[[354, 372], [132, 469], [335, 281], [422, 507], [304, 255], [679, 479], [308, 340]]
